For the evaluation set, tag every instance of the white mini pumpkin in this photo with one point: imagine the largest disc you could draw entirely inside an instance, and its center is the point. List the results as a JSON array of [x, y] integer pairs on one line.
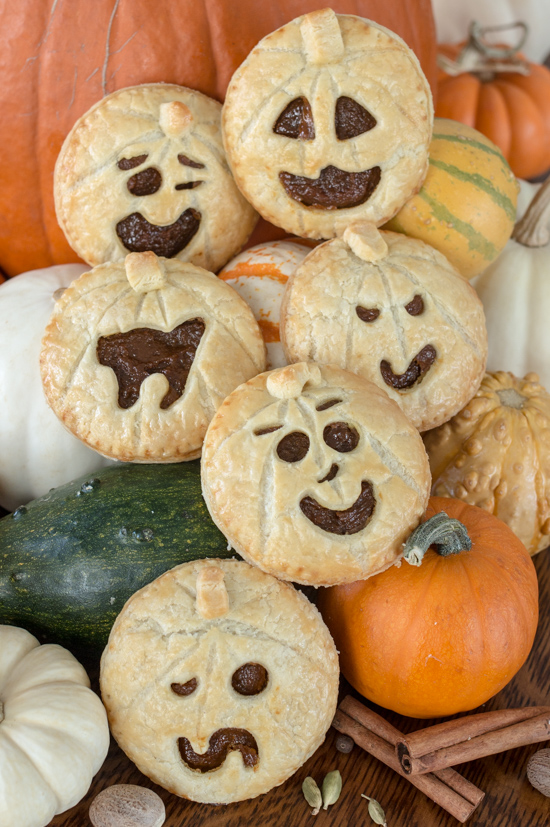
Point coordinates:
[[37, 452], [515, 291], [54, 734]]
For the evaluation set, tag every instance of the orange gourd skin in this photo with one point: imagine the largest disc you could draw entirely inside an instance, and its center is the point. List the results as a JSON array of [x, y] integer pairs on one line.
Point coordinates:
[[512, 110], [443, 637], [58, 59]]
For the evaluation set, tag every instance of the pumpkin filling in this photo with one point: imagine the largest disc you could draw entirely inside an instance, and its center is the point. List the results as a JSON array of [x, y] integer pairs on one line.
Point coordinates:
[[334, 189], [138, 235], [417, 369], [142, 352], [221, 743], [350, 521]]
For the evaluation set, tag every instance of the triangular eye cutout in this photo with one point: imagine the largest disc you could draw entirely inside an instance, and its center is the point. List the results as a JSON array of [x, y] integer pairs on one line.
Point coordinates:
[[296, 121], [351, 119]]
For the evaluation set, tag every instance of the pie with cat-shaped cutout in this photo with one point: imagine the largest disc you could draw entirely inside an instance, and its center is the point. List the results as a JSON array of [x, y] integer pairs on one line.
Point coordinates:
[[139, 354]]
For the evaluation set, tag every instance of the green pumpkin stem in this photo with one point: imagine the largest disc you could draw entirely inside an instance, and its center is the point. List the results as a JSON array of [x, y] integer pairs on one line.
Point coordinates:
[[449, 536]]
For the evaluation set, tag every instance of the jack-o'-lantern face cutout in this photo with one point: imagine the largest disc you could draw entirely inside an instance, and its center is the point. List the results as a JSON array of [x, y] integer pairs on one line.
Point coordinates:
[[335, 475], [144, 170], [139, 354], [206, 687], [327, 121], [393, 310]]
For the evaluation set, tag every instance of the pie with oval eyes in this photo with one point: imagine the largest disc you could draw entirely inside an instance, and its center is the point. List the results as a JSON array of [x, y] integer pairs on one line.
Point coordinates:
[[335, 476], [213, 695], [405, 320], [328, 120], [145, 169]]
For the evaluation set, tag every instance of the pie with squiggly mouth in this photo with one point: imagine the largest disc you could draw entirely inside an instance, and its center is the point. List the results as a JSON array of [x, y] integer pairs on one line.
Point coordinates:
[[220, 744], [138, 235], [334, 189]]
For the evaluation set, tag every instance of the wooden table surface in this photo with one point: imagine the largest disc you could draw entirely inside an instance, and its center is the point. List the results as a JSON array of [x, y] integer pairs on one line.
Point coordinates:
[[510, 801]]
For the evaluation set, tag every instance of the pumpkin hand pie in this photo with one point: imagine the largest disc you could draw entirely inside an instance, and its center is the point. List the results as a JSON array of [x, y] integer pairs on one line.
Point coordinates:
[[145, 169], [138, 355], [393, 310], [314, 474], [219, 680], [328, 120]]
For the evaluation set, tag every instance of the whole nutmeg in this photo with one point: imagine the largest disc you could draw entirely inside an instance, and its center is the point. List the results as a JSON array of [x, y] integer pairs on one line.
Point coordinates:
[[343, 743], [538, 771], [127, 805]]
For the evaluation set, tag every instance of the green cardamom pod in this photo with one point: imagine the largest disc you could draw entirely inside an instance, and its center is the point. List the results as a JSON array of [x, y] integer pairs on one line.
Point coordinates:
[[332, 787], [375, 811], [312, 794]]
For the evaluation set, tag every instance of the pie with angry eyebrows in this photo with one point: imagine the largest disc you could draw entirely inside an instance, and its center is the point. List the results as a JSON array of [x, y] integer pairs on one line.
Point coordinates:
[[145, 169], [327, 121], [314, 474]]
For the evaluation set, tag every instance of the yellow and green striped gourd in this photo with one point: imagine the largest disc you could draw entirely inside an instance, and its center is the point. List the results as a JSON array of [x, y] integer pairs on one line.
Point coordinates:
[[466, 207]]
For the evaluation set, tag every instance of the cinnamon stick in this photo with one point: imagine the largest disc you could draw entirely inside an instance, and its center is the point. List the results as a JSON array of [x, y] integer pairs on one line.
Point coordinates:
[[475, 736], [374, 734]]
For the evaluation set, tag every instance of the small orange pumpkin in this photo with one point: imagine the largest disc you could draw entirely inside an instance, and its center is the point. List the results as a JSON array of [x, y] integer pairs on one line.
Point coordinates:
[[510, 108], [443, 636]]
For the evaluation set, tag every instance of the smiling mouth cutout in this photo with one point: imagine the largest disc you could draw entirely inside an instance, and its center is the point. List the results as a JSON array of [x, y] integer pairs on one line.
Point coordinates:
[[350, 521], [221, 743], [417, 369], [334, 189], [138, 235]]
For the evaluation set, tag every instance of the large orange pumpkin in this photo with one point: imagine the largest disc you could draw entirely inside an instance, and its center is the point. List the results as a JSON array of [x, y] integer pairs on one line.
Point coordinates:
[[58, 59], [446, 635], [511, 109]]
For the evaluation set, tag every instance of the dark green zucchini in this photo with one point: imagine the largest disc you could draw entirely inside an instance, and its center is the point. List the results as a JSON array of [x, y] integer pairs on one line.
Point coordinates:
[[71, 559]]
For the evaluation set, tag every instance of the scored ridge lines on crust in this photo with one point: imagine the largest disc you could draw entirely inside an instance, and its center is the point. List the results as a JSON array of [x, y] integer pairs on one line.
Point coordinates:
[[147, 690], [242, 426], [215, 312], [110, 162], [358, 279], [162, 306], [202, 139], [205, 392], [69, 302], [253, 120], [210, 685], [392, 463], [452, 322], [278, 49], [139, 305], [396, 317], [267, 485], [446, 266], [310, 422], [76, 363], [398, 107]]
